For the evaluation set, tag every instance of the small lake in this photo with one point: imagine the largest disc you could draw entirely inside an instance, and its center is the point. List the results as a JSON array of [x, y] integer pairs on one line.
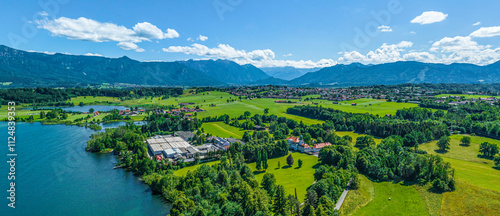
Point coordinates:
[[56, 176], [86, 108], [117, 124]]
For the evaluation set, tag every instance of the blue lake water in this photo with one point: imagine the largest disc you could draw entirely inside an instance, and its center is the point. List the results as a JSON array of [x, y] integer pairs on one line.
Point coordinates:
[[56, 176], [102, 108]]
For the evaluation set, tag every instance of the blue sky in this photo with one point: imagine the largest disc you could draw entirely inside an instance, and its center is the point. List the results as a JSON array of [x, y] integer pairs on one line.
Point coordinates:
[[264, 33]]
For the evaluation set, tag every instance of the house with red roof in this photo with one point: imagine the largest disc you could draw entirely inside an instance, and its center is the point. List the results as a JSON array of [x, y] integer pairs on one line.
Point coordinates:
[[295, 142], [319, 146], [304, 148]]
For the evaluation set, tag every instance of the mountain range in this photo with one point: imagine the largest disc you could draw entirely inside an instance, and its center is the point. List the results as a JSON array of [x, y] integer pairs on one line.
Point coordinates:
[[287, 73], [32, 69]]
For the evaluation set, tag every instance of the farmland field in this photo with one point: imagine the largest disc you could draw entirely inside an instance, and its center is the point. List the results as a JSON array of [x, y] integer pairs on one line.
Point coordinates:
[[222, 106]]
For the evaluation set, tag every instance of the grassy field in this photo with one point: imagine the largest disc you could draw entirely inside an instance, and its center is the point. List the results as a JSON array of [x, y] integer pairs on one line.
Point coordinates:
[[355, 135], [465, 153], [94, 100], [222, 106], [358, 198], [468, 167], [223, 130], [291, 177], [466, 96], [184, 171], [468, 199], [372, 198], [378, 107]]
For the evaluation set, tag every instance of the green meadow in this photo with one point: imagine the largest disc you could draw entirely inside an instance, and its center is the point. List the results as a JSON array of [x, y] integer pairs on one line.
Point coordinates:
[[94, 100], [377, 107], [468, 166], [372, 198], [291, 177], [222, 130], [466, 96], [185, 170]]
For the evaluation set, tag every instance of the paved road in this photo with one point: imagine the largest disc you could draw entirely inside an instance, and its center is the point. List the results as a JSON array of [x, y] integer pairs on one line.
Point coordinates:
[[342, 197]]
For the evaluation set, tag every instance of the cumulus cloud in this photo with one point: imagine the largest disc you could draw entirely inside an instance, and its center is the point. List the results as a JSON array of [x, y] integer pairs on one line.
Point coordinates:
[[91, 30], [464, 50], [287, 55], [476, 24], [486, 32], [386, 53], [384, 28], [259, 58], [429, 17], [202, 38], [448, 50]]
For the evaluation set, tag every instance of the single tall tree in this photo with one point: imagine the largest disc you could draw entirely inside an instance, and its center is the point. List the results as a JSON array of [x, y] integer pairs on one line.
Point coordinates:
[[280, 204], [264, 160], [443, 143], [258, 161], [465, 141], [289, 160]]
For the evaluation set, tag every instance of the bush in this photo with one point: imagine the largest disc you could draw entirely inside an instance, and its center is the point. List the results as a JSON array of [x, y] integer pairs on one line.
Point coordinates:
[[497, 160]]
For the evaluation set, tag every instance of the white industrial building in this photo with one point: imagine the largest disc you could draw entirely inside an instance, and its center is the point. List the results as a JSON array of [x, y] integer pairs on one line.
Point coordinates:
[[169, 146]]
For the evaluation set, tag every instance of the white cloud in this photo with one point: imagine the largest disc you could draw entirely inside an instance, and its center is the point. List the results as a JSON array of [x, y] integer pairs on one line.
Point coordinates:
[[384, 28], [92, 54], [91, 30], [486, 32], [412, 32], [464, 50], [189, 39], [386, 53], [448, 50], [476, 24], [43, 13], [128, 45], [419, 56], [202, 38], [44, 52], [456, 44], [429, 17], [259, 58], [287, 55]]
